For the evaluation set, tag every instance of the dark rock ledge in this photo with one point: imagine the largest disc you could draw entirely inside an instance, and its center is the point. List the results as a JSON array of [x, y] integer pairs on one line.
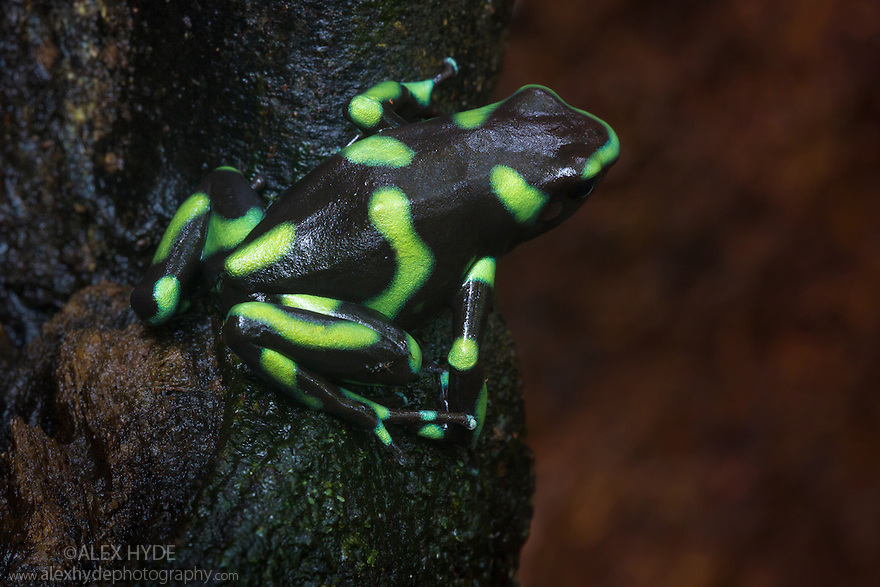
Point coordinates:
[[142, 436]]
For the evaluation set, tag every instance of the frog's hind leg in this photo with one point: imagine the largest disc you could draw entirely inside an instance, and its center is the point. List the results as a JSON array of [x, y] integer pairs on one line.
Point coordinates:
[[223, 209], [391, 103], [291, 341]]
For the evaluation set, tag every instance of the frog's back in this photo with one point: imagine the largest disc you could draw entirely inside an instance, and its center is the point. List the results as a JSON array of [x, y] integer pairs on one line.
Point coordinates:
[[412, 207]]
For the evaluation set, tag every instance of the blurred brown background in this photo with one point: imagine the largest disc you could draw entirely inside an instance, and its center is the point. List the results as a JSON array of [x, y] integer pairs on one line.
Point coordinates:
[[701, 343]]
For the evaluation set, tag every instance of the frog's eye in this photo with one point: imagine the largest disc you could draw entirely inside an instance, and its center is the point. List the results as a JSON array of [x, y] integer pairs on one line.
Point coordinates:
[[550, 212], [582, 190]]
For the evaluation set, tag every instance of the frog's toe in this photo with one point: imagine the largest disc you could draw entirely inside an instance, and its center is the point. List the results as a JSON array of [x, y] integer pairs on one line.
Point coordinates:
[[396, 454], [454, 427], [450, 69], [458, 435], [385, 438]]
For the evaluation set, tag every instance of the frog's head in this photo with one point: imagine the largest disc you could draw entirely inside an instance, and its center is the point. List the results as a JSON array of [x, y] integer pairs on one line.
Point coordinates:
[[558, 158]]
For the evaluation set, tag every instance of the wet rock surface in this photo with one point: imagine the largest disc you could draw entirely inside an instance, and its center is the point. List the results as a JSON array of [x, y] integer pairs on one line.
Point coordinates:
[[160, 436], [117, 434]]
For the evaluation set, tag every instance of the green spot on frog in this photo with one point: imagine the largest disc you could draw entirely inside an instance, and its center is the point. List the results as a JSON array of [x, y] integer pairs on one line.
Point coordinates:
[[382, 434], [315, 304], [383, 91], [480, 412], [431, 431], [192, 208], [381, 411], [166, 294], [365, 110], [301, 332], [604, 157], [421, 90], [470, 119], [483, 271], [284, 372], [225, 234], [390, 214], [519, 198], [263, 251], [379, 151], [415, 354], [463, 354]]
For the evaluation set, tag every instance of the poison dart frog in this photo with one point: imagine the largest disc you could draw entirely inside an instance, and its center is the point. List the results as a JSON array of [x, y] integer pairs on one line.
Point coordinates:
[[324, 287]]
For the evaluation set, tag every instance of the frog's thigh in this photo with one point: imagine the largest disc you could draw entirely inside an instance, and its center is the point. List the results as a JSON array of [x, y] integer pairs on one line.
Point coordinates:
[[289, 344], [213, 220], [300, 383], [337, 341]]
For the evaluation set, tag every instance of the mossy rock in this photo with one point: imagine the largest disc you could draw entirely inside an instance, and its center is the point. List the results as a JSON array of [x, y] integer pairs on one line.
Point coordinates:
[[115, 434], [163, 437]]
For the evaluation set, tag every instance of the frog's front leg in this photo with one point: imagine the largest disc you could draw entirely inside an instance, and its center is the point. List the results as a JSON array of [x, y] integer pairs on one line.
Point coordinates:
[[292, 340], [390, 103], [223, 209], [464, 387]]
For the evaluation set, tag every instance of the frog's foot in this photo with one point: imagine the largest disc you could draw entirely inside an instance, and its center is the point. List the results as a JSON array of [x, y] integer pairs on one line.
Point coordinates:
[[426, 423], [455, 427], [445, 426], [382, 414], [391, 104], [458, 435], [450, 69]]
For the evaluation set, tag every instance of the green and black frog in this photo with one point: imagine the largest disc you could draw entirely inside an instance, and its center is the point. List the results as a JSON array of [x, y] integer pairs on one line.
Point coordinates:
[[407, 220]]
